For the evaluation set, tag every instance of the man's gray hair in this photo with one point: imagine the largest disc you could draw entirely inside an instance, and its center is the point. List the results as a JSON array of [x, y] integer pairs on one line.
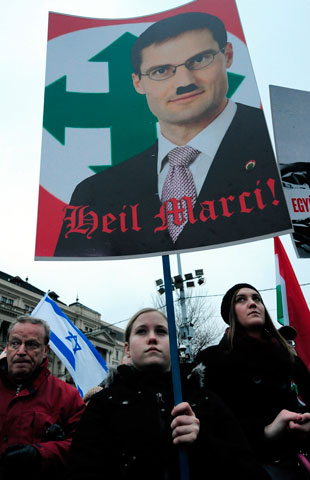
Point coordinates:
[[34, 321]]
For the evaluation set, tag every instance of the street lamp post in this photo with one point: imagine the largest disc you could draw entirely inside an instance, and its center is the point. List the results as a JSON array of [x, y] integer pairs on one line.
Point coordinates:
[[186, 327], [186, 330]]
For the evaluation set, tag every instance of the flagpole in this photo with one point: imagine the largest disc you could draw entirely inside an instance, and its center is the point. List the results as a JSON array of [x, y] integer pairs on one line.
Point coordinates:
[[174, 356]]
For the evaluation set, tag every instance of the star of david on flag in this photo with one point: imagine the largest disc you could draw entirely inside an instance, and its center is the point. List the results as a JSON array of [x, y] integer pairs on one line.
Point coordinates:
[[77, 353], [76, 346]]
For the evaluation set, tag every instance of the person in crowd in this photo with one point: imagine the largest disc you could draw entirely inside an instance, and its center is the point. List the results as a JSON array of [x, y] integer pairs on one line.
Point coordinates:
[[92, 391], [131, 429], [257, 373], [289, 333], [38, 412]]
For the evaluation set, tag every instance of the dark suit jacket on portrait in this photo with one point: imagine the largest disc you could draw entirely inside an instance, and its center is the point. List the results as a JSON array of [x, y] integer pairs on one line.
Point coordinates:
[[246, 202]]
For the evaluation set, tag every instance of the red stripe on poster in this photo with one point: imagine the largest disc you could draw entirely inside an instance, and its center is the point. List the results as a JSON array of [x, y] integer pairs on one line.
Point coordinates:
[[49, 225], [60, 24]]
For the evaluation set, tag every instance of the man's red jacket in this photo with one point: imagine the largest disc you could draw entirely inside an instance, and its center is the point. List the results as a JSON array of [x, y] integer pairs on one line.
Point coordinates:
[[27, 412]]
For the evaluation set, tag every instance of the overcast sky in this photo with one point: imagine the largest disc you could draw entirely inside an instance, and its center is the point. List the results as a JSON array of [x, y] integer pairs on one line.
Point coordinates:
[[277, 36]]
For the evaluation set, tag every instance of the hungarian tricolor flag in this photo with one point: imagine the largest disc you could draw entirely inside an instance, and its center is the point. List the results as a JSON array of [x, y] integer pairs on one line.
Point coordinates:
[[292, 308]]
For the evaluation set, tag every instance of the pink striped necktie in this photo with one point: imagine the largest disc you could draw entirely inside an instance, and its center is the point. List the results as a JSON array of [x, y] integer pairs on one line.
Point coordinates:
[[179, 183]]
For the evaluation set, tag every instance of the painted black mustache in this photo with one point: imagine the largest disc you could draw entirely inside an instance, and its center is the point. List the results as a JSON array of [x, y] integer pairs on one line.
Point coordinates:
[[187, 89]]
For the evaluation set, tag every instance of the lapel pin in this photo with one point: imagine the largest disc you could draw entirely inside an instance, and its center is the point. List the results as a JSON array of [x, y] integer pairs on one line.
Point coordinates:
[[250, 165]]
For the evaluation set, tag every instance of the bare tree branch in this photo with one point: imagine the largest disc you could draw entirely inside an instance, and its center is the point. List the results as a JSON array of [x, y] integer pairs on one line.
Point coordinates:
[[199, 312]]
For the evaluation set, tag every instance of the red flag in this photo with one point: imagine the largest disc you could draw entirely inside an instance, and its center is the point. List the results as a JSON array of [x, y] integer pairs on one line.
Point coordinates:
[[292, 308]]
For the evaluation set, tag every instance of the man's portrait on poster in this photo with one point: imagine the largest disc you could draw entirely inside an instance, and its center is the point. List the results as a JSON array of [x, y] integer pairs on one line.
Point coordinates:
[[211, 177]]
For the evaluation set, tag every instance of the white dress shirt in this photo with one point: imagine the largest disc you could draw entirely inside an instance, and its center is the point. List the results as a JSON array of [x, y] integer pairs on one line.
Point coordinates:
[[207, 142]]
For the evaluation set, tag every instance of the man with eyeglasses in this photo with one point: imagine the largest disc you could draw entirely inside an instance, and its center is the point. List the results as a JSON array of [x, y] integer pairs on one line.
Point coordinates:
[[228, 187], [38, 412]]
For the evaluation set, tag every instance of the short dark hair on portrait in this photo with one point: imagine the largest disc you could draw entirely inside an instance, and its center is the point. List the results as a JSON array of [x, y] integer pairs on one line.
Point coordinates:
[[172, 27]]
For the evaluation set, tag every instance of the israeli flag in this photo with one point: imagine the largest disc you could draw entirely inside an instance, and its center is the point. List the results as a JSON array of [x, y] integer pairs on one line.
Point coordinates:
[[81, 359]]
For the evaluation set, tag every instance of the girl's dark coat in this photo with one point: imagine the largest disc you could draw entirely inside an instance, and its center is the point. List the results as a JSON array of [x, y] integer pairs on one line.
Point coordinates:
[[125, 433], [257, 380]]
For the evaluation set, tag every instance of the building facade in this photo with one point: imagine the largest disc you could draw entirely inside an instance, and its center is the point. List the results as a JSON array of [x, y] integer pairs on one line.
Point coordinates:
[[19, 297]]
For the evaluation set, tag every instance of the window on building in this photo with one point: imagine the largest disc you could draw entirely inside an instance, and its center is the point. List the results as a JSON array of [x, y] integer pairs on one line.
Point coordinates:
[[8, 301], [4, 330]]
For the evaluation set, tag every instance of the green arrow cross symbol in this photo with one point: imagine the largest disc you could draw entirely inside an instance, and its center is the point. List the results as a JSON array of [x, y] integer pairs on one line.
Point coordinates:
[[122, 109]]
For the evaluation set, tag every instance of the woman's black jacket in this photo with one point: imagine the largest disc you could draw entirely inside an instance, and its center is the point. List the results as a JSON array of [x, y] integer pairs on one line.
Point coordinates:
[[257, 380], [125, 433]]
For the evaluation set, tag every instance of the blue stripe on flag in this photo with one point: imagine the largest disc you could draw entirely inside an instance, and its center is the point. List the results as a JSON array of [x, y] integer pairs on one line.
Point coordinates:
[[95, 352], [66, 352]]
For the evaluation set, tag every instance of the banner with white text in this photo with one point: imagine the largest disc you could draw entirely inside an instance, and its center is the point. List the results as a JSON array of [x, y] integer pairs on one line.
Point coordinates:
[[291, 124]]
